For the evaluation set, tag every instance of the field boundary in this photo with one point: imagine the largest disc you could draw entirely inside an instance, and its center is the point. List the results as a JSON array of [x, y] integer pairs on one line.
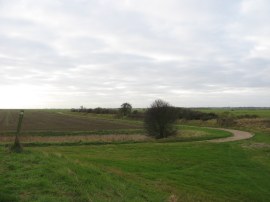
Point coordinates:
[[99, 139]]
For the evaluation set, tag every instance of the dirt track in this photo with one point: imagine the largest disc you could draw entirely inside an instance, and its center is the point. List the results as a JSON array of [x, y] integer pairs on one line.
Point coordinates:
[[237, 135]]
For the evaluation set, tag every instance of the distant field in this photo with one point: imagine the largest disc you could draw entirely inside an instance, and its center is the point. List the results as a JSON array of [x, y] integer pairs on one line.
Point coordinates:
[[42, 120], [263, 113]]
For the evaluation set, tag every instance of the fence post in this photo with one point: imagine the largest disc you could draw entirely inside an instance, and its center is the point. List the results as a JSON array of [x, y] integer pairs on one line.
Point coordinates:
[[17, 147]]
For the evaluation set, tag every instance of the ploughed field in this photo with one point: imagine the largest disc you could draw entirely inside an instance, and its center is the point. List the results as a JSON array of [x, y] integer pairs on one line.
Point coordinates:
[[45, 120]]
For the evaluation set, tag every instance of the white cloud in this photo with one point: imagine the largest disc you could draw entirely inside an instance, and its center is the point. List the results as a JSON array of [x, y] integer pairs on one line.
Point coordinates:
[[102, 53]]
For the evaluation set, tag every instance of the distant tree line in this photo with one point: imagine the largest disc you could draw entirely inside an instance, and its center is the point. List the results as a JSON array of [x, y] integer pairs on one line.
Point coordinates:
[[161, 117], [97, 110], [189, 114], [247, 116], [126, 110]]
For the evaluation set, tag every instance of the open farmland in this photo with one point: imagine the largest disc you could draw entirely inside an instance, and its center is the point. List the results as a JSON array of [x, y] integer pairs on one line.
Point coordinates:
[[74, 163], [55, 126], [43, 120]]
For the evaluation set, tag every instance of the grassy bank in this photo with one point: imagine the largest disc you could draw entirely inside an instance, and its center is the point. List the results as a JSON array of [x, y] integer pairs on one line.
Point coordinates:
[[138, 172]]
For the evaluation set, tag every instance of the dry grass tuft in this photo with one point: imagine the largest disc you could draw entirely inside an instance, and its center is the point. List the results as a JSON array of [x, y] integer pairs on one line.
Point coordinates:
[[77, 138], [257, 146], [191, 133], [173, 198], [258, 124]]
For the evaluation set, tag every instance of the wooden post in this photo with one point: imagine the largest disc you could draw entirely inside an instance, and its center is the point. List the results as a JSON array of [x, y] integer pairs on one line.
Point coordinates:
[[17, 147], [20, 122]]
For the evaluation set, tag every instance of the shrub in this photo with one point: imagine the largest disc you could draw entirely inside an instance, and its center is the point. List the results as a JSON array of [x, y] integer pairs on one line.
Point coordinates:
[[226, 119], [189, 114], [160, 119]]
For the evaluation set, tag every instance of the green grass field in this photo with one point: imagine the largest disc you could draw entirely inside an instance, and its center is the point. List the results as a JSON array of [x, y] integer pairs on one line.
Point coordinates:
[[263, 113], [175, 169], [139, 172]]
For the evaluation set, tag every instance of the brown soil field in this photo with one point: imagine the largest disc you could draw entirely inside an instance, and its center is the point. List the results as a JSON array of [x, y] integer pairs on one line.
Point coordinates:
[[43, 120]]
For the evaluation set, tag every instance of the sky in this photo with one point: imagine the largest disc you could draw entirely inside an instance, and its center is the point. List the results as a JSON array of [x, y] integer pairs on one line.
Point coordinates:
[[101, 53]]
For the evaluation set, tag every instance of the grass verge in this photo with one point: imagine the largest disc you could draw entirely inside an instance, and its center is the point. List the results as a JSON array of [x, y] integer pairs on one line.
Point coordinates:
[[138, 172]]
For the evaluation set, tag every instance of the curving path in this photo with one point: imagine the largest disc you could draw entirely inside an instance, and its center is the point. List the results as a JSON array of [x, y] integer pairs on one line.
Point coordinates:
[[237, 135]]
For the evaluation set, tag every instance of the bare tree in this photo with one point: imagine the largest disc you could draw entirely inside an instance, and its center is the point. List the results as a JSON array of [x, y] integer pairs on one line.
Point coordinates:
[[160, 119]]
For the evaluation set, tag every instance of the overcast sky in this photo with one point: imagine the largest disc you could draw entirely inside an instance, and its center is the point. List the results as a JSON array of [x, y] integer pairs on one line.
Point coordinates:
[[191, 53]]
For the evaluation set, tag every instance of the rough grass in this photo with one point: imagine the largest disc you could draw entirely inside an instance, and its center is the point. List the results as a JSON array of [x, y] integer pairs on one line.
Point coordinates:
[[185, 133], [193, 133], [77, 138], [138, 172], [76, 133], [253, 125]]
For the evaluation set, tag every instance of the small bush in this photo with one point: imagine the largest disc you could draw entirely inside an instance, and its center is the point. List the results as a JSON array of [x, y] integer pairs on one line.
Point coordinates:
[[226, 119], [160, 119], [247, 116], [189, 114]]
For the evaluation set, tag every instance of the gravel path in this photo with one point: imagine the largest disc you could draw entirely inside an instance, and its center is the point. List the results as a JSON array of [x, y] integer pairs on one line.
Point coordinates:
[[237, 135]]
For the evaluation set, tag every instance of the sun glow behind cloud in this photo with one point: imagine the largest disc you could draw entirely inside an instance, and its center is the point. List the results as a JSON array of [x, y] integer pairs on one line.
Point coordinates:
[[22, 96]]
